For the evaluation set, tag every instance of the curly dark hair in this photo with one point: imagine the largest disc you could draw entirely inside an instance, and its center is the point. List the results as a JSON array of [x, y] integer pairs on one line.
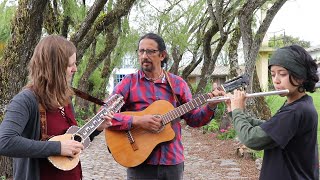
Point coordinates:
[[309, 63]]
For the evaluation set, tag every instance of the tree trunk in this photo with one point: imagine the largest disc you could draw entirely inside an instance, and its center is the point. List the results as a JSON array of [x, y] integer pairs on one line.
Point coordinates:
[[207, 57], [93, 13], [197, 54], [233, 53], [121, 9], [87, 34], [5, 166], [176, 57], [220, 16], [26, 33], [111, 39], [251, 44], [257, 107]]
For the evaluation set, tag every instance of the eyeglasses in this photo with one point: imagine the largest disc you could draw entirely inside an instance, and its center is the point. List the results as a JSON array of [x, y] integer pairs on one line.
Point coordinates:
[[149, 52]]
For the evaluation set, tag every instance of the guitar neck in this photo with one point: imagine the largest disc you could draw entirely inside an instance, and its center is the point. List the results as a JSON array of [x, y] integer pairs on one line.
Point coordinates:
[[86, 130], [113, 104], [184, 108]]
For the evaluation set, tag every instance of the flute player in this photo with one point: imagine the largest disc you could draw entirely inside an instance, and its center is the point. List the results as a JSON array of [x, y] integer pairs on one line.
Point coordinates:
[[289, 138]]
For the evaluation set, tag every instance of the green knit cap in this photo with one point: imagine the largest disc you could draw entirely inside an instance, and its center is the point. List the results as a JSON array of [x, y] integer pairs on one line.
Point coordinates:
[[288, 59]]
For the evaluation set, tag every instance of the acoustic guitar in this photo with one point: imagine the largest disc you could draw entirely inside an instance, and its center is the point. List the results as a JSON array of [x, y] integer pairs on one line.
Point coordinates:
[[66, 163], [133, 147]]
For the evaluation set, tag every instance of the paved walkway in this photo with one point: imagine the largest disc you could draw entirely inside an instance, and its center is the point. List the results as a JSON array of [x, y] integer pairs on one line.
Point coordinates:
[[98, 164]]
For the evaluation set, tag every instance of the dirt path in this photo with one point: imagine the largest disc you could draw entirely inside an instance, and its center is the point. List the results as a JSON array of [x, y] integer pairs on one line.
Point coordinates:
[[207, 158]]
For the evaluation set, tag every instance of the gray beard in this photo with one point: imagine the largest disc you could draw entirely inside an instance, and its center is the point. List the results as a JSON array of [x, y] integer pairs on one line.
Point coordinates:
[[147, 69]]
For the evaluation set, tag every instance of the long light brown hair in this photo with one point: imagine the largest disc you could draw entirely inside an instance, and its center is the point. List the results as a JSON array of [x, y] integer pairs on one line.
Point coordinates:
[[47, 71]]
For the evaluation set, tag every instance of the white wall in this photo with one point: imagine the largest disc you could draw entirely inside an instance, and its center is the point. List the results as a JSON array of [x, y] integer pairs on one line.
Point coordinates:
[[116, 71]]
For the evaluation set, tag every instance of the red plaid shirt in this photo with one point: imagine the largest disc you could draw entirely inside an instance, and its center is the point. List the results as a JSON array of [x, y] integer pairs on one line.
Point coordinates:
[[139, 93]]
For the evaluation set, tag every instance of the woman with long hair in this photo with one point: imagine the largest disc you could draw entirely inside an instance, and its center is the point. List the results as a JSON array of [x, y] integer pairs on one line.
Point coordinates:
[[23, 135]]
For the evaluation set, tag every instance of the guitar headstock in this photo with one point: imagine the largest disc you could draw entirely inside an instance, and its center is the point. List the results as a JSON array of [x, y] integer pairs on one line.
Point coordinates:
[[235, 83]]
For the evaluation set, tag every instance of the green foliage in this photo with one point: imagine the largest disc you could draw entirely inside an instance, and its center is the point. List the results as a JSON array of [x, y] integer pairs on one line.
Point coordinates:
[[96, 79], [75, 10], [100, 45], [81, 113], [124, 54], [110, 5], [7, 12], [285, 40], [2, 178], [222, 134], [257, 154], [208, 87], [175, 21], [225, 134], [80, 69], [316, 99], [213, 126], [274, 103], [220, 111]]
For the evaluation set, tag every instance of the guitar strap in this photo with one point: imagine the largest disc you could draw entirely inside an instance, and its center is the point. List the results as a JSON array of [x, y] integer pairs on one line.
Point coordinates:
[[43, 123], [169, 81], [87, 97]]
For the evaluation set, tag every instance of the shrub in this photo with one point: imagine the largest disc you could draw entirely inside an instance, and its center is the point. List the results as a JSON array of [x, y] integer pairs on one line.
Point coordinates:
[[213, 126], [228, 133]]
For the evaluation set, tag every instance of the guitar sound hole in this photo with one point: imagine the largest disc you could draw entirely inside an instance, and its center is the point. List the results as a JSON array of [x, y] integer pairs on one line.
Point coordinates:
[[77, 138]]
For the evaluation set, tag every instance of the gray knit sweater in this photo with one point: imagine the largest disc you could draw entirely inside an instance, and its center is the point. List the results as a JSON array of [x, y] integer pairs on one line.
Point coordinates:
[[20, 134]]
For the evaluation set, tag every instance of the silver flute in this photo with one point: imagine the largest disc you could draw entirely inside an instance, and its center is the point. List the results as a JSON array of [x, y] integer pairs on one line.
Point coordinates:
[[223, 98]]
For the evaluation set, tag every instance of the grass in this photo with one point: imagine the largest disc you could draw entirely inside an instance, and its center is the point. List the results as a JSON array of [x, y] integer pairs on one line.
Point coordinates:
[[275, 102]]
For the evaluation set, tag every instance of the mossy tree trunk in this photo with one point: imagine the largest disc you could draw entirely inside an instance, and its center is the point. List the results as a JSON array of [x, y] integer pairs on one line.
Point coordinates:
[[26, 32]]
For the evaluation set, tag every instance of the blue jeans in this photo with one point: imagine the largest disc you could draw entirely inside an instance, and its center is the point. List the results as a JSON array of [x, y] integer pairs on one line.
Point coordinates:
[[156, 172]]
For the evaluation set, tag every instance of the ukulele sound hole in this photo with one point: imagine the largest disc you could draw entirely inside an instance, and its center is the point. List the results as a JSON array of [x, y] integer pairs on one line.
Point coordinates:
[[78, 138]]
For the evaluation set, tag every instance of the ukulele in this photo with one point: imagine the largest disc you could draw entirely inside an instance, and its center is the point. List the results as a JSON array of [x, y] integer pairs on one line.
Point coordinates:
[[66, 163], [131, 148]]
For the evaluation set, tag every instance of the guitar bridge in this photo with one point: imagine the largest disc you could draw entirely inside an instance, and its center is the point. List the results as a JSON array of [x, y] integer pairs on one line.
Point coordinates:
[[132, 142], [134, 146]]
